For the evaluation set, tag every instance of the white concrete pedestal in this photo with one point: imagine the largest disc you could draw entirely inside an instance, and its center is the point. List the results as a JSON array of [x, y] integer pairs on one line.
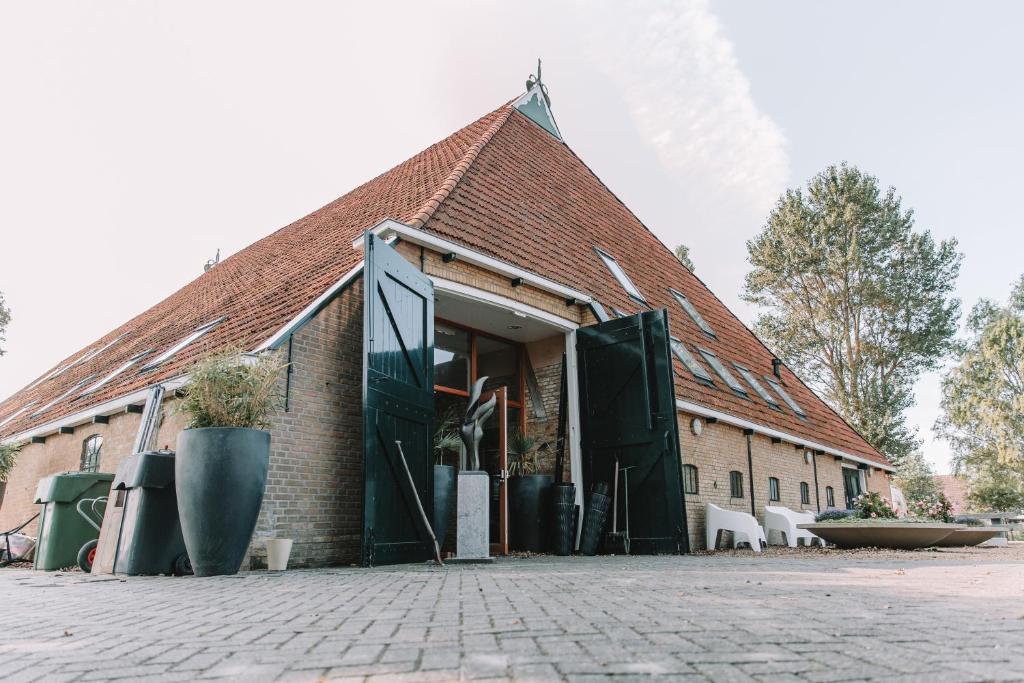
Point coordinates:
[[473, 539]]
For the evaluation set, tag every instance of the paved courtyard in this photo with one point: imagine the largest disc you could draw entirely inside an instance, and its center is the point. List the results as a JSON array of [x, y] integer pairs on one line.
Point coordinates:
[[805, 616]]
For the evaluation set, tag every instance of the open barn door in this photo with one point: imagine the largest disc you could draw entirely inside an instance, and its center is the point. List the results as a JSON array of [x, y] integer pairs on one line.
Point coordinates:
[[398, 405], [628, 413]]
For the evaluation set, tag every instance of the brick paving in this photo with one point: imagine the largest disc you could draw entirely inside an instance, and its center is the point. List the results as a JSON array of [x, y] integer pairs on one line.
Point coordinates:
[[810, 616]]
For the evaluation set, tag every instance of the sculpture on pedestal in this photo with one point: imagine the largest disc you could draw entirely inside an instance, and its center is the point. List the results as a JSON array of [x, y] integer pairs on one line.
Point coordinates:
[[472, 430]]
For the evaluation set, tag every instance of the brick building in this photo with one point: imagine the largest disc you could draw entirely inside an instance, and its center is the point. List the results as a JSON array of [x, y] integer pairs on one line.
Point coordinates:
[[532, 262]]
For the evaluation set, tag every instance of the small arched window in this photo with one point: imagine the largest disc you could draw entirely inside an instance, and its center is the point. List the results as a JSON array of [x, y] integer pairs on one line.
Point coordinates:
[[805, 493], [830, 497], [736, 484], [91, 453], [690, 482], [773, 489]]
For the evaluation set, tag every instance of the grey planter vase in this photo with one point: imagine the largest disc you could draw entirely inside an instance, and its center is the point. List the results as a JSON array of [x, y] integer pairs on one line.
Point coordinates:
[[220, 474], [444, 494]]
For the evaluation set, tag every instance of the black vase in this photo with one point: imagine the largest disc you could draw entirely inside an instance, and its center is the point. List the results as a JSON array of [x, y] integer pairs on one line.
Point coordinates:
[[565, 518], [220, 474], [529, 500], [444, 490], [593, 522]]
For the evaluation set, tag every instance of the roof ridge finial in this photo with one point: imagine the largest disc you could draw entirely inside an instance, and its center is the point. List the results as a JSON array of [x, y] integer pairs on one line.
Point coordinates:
[[532, 80]]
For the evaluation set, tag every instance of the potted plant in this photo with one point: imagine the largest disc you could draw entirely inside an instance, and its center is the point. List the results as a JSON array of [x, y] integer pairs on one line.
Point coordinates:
[[446, 440], [223, 454], [528, 494]]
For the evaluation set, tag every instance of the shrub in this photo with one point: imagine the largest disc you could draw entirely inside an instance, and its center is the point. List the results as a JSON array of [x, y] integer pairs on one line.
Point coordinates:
[[522, 451], [968, 521], [873, 506], [832, 515], [936, 507], [232, 389], [8, 456]]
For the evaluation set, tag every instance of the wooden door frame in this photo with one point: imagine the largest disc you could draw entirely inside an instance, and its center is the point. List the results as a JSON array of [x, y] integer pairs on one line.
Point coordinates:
[[501, 409]]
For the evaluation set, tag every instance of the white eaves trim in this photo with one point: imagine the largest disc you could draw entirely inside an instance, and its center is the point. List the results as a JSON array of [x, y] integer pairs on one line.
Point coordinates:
[[698, 409], [479, 295], [425, 239], [84, 416]]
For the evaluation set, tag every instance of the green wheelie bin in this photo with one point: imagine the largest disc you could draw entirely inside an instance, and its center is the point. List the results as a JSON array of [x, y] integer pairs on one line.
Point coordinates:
[[71, 516]]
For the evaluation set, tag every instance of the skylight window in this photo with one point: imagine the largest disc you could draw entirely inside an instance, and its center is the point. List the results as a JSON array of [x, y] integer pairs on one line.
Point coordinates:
[[620, 275], [618, 313], [794, 406], [723, 371], [130, 362], [687, 359], [91, 354], [16, 413], [78, 385], [182, 344], [692, 311], [758, 387]]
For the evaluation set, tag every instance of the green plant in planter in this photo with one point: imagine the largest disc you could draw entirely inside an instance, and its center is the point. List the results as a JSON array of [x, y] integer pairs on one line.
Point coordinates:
[[8, 458], [873, 506], [446, 436], [522, 450], [233, 389]]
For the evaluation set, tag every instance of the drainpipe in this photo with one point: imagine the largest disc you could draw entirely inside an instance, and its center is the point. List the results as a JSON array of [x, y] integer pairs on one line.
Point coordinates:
[[749, 433], [817, 496]]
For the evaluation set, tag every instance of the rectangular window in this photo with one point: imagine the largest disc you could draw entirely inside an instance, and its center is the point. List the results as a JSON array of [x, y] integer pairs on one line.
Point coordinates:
[[169, 353], [757, 386], [773, 489], [620, 275], [618, 313], [130, 362], [805, 493], [794, 406], [687, 359], [722, 371], [63, 396], [16, 413], [692, 311], [830, 497], [690, 481], [736, 484]]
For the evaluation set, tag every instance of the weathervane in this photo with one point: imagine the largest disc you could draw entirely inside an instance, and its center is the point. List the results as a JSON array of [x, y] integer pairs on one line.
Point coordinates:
[[535, 80]]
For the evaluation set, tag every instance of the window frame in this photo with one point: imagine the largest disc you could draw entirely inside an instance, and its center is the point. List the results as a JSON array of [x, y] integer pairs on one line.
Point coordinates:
[[127, 365], [774, 490], [691, 475], [805, 493], [691, 310], [830, 497], [78, 385], [712, 359], [690, 362], [758, 388], [786, 398], [189, 339], [736, 484], [621, 276], [90, 459]]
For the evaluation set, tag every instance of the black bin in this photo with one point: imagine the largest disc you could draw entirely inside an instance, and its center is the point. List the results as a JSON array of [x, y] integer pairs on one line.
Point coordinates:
[[150, 540]]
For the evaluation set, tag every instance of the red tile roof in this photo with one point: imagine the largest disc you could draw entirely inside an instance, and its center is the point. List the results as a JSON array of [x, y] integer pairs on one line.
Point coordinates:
[[502, 186]]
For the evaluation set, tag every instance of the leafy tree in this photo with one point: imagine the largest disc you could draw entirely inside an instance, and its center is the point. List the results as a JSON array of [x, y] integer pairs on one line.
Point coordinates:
[[682, 253], [858, 302], [8, 457], [983, 394], [5, 318], [915, 478], [996, 489]]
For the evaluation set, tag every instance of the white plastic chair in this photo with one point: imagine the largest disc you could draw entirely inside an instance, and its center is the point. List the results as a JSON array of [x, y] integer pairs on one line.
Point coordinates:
[[784, 521], [744, 528]]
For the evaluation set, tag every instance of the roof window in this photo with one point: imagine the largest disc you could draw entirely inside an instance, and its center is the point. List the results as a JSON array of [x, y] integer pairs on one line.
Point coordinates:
[[91, 354], [621, 276], [78, 385], [16, 413], [181, 344], [723, 371], [687, 359], [758, 387], [130, 362], [794, 406], [692, 311]]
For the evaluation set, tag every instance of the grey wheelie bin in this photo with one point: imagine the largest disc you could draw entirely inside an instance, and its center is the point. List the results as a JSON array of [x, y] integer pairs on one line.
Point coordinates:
[[71, 515], [149, 540]]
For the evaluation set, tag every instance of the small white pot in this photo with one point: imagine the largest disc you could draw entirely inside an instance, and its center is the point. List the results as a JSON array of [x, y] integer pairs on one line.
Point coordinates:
[[278, 550]]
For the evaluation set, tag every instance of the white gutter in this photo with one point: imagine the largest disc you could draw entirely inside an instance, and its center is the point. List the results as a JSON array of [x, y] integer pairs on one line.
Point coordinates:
[[389, 227], [696, 409], [85, 416]]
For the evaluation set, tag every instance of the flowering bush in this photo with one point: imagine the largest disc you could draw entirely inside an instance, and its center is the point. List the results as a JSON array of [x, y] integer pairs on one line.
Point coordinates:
[[936, 507], [873, 506]]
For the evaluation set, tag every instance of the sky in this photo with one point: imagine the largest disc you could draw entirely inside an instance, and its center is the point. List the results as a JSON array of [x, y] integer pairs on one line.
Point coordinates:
[[138, 138]]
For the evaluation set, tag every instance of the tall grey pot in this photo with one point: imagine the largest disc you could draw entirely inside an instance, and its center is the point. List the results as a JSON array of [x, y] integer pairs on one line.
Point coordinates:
[[444, 494], [220, 474]]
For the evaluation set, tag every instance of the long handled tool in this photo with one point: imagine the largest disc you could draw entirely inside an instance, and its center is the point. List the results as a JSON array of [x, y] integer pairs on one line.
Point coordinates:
[[419, 505]]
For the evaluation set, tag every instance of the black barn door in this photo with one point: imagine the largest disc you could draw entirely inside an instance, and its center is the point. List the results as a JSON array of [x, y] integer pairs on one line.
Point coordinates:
[[627, 411], [398, 404]]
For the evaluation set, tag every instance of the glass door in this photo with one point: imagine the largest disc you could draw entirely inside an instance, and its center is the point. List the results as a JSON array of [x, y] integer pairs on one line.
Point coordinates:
[[851, 485]]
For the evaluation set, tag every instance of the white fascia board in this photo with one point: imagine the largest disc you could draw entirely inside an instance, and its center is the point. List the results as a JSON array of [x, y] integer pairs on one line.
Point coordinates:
[[111, 407], [697, 409], [479, 295], [311, 310], [425, 239]]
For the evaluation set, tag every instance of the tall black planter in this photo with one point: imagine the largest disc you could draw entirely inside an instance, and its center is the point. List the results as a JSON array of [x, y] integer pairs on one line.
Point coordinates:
[[444, 493], [529, 500], [593, 522], [220, 474], [564, 514]]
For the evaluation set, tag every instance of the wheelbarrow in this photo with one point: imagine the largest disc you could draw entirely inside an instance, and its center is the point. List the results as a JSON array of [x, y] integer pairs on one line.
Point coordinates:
[[91, 510], [16, 546]]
